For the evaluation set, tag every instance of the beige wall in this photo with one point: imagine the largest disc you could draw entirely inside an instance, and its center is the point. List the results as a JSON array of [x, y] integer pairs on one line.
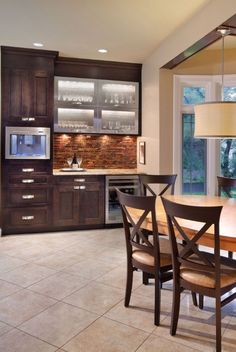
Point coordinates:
[[156, 110]]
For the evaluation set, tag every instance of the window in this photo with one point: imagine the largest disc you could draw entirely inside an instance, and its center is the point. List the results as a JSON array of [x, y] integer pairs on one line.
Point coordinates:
[[228, 146], [190, 154], [197, 162], [193, 159], [193, 95]]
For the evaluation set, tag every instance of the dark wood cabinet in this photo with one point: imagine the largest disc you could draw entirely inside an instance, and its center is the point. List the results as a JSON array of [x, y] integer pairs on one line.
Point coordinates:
[[78, 201], [26, 197], [92, 203], [32, 199], [29, 97], [27, 86], [27, 100], [66, 205]]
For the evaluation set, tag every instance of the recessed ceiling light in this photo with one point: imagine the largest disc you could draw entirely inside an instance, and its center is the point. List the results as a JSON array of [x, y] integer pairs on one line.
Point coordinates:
[[103, 51], [38, 45]]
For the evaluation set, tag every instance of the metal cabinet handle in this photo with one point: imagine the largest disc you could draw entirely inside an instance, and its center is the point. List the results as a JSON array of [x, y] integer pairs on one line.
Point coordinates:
[[76, 187], [27, 180], [28, 119], [28, 196], [79, 179], [27, 170], [82, 187], [27, 217]]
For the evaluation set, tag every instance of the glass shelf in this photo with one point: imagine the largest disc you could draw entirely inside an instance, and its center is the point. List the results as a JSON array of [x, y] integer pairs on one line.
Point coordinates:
[[74, 91], [120, 94], [119, 122]]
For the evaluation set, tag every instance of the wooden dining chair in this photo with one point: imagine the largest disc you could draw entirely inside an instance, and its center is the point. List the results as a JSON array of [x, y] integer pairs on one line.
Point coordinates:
[[167, 181], [163, 183], [225, 187], [143, 254], [195, 270]]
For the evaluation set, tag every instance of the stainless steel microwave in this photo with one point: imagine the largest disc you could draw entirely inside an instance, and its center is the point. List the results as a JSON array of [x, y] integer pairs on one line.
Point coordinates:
[[27, 143]]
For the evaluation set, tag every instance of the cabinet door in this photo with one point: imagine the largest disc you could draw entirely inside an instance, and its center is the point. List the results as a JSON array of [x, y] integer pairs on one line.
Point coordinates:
[[41, 83], [28, 97], [21, 94], [92, 203], [66, 205]]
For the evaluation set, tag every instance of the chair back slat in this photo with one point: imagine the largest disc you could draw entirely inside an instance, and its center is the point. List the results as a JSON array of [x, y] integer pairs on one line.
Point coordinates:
[[190, 256], [134, 225], [167, 181], [226, 184]]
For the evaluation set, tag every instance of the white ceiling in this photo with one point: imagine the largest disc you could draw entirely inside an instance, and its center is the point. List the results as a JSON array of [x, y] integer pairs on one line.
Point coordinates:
[[130, 29]]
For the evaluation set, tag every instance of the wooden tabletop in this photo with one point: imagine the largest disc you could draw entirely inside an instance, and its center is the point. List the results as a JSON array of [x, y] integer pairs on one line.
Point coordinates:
[[227, 219]]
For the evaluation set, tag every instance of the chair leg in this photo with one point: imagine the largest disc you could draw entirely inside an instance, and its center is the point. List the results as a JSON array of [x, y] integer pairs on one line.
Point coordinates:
[[175, 309], [230, 255], [194, 298], [129, 284], [145, 278], [157, 309], [218, 324], [201, 301]]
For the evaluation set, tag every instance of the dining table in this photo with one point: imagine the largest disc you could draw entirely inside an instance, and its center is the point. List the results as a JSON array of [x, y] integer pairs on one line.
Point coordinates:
[[227, 219]]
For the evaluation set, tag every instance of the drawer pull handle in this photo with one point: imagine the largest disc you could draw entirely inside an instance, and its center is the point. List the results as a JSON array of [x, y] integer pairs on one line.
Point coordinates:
[[28, 170], [28, 196], [28, 119], [79, 179], [28, 180], [76, 187], [82, 187], [27, 217]]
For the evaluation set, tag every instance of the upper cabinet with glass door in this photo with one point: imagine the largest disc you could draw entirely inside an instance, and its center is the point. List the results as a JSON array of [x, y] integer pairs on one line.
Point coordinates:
[[118, 107], [75, 105], [96, 106]]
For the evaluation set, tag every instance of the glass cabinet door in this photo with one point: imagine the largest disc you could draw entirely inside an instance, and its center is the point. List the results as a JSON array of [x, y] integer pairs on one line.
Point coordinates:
[[75, 120], [75, 102], [75, 91], [119, 122], [96, 106], [118, 94]]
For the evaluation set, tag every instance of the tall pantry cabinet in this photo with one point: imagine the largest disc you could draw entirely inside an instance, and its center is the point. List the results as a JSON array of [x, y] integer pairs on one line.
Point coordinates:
[[27, 101]]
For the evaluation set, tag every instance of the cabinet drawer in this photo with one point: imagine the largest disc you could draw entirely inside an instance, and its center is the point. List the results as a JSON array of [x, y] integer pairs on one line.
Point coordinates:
[[27, 180], [28, 168], [27, 196], [26, 217], [77, 179]]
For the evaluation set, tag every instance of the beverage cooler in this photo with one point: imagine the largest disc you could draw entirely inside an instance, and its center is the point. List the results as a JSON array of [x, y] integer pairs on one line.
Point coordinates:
[[128, 184]]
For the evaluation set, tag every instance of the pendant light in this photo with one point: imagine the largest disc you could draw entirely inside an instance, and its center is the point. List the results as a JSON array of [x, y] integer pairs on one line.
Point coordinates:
[[216, 119]]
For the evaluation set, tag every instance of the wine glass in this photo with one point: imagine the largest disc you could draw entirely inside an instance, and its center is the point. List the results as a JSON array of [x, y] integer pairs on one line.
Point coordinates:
[[69, 161], [79, 161]]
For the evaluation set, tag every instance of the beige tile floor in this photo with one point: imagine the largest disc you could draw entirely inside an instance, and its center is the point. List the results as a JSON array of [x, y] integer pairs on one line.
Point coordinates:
[[64, 292]]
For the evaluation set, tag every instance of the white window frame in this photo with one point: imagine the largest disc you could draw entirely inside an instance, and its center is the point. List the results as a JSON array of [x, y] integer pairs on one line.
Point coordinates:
[[181, 81]]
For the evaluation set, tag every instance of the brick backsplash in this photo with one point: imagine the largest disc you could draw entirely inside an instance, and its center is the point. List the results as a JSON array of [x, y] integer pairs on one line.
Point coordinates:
[[105, 151]]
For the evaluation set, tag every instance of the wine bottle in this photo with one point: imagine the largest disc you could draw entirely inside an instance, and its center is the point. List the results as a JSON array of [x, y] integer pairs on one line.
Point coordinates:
[[74, 161]]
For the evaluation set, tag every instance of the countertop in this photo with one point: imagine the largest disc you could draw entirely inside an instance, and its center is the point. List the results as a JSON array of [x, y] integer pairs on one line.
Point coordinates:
[[58, 172]]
